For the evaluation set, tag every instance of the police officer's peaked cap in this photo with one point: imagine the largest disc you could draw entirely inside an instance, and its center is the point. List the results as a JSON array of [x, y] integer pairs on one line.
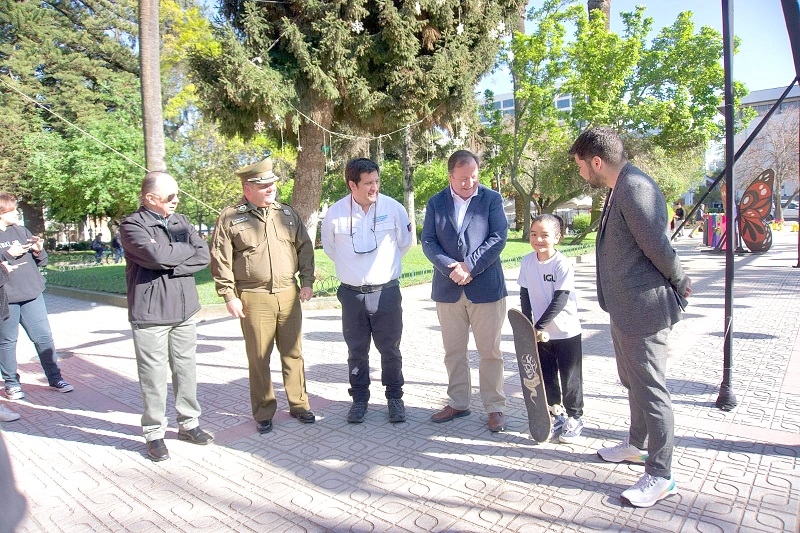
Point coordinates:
[[259, 173]]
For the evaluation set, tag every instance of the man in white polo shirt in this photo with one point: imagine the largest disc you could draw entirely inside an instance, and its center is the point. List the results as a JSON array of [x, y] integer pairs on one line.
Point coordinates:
[[366, 234]]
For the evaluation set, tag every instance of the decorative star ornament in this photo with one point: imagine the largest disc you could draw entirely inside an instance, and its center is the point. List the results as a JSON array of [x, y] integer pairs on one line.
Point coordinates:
[[259, 126], [357, 26]]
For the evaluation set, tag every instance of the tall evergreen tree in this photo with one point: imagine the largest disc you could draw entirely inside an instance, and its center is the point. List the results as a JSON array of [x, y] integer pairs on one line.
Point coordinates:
[[374, 66], [77, 59]]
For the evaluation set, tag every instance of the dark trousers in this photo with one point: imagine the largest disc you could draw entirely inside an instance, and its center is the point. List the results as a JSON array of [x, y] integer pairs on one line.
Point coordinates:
[[563, 358], [378, 317]]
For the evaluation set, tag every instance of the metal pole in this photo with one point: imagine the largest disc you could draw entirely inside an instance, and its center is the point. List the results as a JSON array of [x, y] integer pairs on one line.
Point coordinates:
[[726, 399], [798, 217], [750, 138]]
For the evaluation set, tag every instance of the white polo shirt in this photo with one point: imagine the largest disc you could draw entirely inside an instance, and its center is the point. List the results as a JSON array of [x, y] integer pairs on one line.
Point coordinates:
[[366, 248]]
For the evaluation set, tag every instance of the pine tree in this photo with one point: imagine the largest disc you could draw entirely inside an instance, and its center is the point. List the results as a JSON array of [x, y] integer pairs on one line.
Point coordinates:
[[373, 66], [77, 59]]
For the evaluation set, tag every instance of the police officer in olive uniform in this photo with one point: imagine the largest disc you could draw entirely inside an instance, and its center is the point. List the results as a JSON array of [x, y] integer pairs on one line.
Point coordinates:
[[257, 248]]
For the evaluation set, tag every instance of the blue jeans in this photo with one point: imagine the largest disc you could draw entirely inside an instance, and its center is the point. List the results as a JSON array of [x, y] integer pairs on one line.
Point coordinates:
[[32, 315]]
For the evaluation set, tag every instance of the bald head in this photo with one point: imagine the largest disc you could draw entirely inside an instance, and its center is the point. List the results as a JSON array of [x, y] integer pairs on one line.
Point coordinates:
[[159, 193]]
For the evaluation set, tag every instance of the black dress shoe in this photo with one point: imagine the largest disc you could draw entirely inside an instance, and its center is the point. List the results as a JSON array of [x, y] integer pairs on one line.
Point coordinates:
[[157, 450], [265, 426], [305, 416], [195, 436]]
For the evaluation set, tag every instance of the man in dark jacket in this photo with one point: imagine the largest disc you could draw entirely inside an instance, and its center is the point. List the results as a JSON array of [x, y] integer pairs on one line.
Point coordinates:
[[163, 251]]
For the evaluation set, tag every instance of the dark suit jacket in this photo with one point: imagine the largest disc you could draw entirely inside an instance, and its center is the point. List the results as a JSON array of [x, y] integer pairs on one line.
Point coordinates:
[[478, 244], [640, 281]]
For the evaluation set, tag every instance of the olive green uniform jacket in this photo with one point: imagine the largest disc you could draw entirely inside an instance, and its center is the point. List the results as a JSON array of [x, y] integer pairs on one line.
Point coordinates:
[[260, 250]]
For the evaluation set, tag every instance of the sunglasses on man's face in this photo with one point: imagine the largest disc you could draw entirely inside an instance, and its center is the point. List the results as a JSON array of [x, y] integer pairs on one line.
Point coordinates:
[[168, 199]]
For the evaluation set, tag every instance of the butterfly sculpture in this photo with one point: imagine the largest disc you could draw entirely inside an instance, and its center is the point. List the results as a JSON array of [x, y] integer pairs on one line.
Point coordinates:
[[754, 207]]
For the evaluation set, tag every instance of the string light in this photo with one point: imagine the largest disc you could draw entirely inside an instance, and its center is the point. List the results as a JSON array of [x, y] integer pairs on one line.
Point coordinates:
[[344, 135]]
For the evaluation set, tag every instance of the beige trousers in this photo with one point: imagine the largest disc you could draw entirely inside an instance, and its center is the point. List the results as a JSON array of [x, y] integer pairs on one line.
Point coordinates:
[[486, 321]]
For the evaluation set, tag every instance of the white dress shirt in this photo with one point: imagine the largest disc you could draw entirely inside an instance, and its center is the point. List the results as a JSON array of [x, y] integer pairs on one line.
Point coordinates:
[[461, 207], [382, 235]]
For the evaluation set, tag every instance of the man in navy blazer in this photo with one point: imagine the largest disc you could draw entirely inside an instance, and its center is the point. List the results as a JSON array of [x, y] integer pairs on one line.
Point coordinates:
[[641, 284], [464, 232]]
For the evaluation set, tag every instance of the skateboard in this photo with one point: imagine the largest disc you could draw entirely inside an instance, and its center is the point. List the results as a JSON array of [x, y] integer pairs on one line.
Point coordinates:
[[530, 374]]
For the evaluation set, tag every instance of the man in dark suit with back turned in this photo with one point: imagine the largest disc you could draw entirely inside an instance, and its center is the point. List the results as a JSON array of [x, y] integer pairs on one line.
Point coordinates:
[[464, 232], [642, 286]]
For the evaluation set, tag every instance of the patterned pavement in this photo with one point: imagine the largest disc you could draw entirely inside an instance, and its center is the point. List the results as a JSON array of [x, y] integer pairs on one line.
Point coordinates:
[[79, 457]]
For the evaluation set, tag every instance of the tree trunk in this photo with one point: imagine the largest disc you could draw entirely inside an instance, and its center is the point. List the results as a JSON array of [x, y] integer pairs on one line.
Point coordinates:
[[33, 218], [602, 5], [408, 182], [310, 170], [150, 67], [519, 210]]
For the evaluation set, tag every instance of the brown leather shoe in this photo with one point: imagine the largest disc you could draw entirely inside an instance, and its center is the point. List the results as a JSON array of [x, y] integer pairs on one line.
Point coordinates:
[[448, 413], [497, 422]]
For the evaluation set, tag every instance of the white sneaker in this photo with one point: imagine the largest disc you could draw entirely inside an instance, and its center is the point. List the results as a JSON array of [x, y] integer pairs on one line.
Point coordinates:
[[624, 451], [650, 489], [7, 415], [556, 426], [558, 419], [14, 392], [572, 430]]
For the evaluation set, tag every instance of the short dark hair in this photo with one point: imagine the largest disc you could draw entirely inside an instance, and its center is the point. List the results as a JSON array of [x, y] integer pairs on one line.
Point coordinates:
[[461, 157], [601, 142], [555, 220], [8, 202], [356, 167]]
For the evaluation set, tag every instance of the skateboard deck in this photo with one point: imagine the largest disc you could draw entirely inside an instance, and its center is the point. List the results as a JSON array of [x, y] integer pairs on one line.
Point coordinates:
[[530, 374]]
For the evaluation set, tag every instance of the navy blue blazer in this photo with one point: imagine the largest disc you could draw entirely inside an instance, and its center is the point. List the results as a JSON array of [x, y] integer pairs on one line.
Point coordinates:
[[482, 238]]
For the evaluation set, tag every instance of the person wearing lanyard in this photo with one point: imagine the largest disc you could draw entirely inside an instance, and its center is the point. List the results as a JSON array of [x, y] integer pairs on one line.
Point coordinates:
[[366, 234]]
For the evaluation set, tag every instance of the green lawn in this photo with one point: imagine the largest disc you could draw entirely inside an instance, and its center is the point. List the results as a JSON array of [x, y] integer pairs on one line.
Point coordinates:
[[416, 268]]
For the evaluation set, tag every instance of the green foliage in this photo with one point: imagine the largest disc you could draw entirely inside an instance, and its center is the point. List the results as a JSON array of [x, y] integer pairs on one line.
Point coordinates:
[[580, 223], [675, 171], [668, 91], [76, 178], [430, 178], [416, 269], [531, 145], [371, 67], [78, 61]]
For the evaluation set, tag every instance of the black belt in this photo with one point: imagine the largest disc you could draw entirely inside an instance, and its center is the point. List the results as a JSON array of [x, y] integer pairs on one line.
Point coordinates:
[[365, 289]]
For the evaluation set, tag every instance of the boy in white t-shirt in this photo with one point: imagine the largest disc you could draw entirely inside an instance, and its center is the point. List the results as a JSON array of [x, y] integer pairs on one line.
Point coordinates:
[[547, 292]]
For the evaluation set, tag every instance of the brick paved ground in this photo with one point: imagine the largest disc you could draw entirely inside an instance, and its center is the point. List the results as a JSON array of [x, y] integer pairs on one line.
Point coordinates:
[[79, 457]]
